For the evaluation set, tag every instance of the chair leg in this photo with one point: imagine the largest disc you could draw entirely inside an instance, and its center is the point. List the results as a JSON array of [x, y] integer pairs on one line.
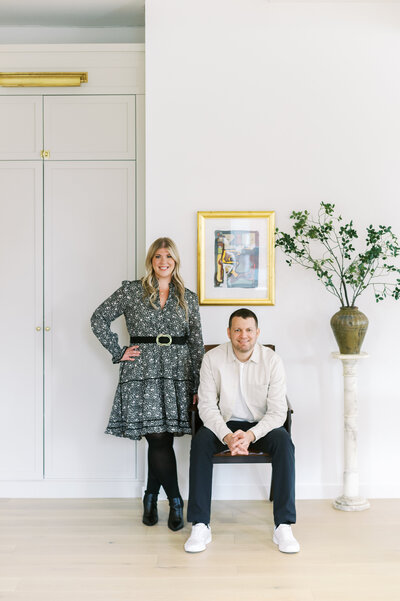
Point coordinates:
[[271, 489]]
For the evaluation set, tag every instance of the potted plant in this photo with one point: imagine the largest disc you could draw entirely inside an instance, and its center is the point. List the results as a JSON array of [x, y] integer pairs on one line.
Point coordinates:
[[327, 246]]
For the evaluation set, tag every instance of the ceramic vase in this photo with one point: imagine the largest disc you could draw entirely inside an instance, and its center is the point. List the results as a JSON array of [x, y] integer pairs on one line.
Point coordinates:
[[349, 326]]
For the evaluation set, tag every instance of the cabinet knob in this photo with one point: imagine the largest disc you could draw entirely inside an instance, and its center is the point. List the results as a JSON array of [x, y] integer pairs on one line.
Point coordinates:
[[45, 154], [38, 328], [47, 329]]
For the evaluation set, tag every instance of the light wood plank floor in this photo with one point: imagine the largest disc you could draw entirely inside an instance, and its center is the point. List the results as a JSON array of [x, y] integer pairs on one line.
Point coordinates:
[[98, 550]]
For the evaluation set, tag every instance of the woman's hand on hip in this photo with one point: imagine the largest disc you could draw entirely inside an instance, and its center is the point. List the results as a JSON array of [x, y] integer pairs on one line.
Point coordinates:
[[131, 353]]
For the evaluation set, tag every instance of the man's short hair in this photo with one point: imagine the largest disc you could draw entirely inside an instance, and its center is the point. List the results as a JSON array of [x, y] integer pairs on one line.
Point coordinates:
[[244, 314]]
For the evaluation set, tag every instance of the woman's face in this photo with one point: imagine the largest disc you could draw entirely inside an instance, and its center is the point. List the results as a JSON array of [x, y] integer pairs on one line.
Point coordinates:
[[163, 264]]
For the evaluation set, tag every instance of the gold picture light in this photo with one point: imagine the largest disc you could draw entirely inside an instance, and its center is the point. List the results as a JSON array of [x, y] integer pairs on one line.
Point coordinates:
[[42, 80]]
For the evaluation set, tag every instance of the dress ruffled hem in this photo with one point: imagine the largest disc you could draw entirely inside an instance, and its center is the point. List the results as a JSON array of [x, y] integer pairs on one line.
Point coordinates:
[[136, 433]]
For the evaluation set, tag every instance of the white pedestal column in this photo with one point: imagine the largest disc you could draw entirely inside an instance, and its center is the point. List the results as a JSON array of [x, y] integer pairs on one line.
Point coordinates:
[[350, 500]]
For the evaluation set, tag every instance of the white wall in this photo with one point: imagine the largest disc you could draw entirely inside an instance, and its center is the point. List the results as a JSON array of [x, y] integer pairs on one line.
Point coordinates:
[[278, 106]]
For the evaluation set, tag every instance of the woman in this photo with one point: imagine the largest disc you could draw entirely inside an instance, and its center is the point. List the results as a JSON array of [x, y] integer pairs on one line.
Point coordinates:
[[159, 371]]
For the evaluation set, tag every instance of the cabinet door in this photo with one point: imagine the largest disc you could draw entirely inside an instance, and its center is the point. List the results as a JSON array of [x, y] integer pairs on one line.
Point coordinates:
[[21, 313], [89, 127], [21, 127], [89, 250]]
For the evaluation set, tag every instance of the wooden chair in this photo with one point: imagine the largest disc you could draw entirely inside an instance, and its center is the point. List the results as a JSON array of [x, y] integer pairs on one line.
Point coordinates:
[[253, 456]]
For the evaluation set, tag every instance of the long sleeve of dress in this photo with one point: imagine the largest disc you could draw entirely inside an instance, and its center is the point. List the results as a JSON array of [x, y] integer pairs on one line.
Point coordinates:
[[101, 320], [195, 339]]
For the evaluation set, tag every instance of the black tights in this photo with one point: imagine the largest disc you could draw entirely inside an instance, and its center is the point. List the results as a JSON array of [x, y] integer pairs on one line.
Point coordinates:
[[162, 465]]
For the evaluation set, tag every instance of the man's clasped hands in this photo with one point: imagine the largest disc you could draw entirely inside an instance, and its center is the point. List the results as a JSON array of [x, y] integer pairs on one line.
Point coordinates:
[[239, 441]]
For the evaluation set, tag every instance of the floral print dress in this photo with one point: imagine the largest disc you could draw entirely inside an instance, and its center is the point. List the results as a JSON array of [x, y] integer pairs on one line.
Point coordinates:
[[156, 389]]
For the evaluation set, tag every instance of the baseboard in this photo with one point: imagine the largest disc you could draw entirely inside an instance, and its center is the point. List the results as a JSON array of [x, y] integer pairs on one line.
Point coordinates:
[[258, 492], [53, 489], [386, 490]]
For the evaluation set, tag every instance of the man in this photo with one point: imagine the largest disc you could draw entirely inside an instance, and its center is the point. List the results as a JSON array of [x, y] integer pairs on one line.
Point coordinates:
[[242, 402]]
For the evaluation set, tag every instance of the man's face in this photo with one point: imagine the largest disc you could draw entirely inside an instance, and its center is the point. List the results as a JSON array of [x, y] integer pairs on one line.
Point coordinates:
[[243, 334]]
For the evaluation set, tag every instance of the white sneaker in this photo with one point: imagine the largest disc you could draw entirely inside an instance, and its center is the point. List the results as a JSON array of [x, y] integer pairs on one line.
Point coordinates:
[[199, 538], [285, 540]]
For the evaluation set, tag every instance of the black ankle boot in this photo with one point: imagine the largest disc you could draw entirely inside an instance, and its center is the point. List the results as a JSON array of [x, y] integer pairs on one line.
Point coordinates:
[[175, 518], [150, 514]]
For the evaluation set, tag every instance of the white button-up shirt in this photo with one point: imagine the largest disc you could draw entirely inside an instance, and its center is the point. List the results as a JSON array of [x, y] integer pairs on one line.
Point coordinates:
[[263, 386]]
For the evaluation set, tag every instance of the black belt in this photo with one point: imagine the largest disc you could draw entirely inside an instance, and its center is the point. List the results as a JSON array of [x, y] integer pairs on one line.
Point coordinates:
[[161, 339]]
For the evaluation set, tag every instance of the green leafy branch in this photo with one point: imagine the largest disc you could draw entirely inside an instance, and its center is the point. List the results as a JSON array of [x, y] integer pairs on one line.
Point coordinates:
[[326, 246]]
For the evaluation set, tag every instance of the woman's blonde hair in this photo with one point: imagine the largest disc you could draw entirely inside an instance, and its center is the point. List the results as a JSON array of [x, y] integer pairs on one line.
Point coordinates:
[[149, 281]]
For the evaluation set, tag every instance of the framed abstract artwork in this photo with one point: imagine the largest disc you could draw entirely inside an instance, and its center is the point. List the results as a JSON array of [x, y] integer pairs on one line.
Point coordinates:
[[235, 257]]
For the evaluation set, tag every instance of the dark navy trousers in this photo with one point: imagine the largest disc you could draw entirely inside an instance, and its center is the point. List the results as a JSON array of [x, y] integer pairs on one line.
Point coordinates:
[[277, 443]]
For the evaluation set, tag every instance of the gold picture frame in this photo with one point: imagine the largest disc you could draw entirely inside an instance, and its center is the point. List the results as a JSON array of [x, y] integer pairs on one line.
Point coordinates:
[[236, 257]]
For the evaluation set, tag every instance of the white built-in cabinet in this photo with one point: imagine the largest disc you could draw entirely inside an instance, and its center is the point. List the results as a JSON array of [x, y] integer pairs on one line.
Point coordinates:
[[71, 227]]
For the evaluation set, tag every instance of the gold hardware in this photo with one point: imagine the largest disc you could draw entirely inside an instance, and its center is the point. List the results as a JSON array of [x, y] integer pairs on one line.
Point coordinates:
[[45, 154], [42, 80], [38, 328], [47, 329]]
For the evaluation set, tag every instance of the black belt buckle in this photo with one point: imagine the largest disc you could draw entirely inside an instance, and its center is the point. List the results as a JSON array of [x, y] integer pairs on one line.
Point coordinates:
[[167, 342]]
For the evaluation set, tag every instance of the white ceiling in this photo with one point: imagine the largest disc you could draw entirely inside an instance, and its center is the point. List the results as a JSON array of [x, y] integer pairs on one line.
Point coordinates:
[[72, 13]]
